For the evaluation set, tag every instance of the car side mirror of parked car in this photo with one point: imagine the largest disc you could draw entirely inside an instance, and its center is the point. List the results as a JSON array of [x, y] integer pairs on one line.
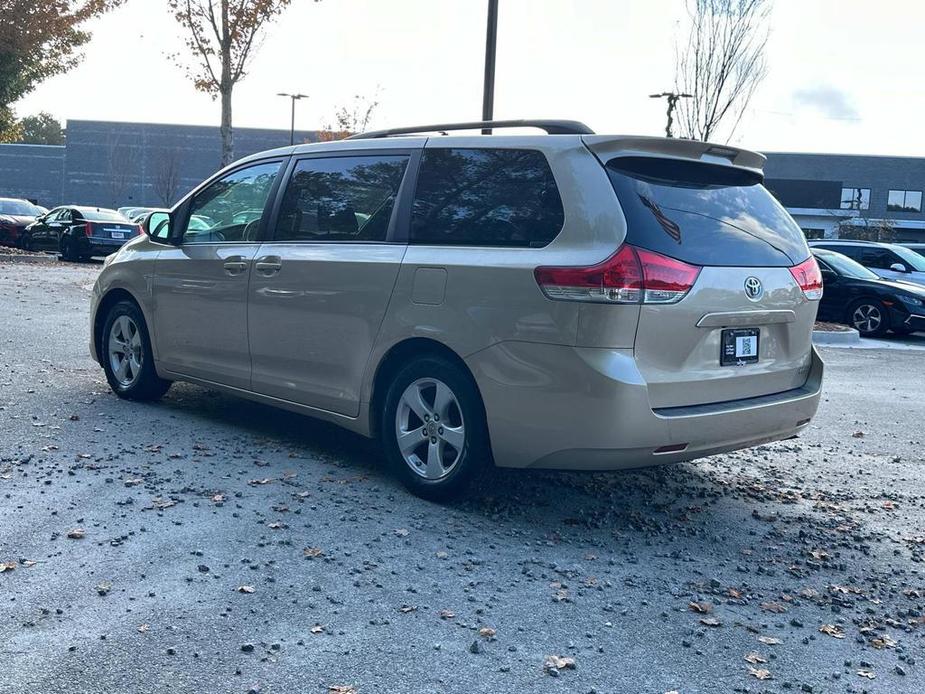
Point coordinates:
[[157, 226], [898, 267]]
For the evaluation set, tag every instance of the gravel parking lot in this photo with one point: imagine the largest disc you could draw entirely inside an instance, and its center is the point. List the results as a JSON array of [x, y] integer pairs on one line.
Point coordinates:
[[206, 543]]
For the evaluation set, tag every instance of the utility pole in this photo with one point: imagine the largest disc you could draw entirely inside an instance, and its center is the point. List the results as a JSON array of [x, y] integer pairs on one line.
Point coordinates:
[[294, 97], [672, 98], [491, 40]]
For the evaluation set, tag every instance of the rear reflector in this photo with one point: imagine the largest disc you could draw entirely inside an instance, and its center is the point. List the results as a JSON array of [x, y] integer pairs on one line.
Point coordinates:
[[808, 276], [630, 276]]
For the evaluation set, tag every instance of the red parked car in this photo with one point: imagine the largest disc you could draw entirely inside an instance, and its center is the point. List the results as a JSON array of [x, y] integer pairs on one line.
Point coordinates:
[[15, 216]]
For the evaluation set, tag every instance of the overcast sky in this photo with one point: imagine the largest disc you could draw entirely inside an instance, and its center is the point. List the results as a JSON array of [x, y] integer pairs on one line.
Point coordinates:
[[845, 75]]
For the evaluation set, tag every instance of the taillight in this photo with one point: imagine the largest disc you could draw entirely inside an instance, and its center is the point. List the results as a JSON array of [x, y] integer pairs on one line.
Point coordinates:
[[630, 276], [88, 230], [808, 276], [139, 230]]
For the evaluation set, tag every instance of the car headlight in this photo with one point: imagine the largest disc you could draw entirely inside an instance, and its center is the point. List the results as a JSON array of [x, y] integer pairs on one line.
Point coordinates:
[[911, 300]]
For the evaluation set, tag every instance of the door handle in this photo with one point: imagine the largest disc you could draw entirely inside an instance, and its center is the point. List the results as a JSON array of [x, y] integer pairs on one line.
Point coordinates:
[[235, 265], [268, 265]]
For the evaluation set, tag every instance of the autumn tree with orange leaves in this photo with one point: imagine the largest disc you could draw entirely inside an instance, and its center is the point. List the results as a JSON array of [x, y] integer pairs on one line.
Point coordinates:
[[222, 35], [39, 39]]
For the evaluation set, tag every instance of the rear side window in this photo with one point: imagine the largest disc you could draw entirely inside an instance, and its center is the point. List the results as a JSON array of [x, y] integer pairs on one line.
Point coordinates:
[[340, 199], [704, 214], [486, 197]]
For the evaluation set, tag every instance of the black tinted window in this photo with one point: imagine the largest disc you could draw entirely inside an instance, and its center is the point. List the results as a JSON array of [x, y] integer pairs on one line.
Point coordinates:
[[486, 197], [704, 214], [340, 199]]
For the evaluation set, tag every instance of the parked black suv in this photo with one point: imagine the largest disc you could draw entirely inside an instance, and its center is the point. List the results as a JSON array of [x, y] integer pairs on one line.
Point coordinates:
[[79, 232]]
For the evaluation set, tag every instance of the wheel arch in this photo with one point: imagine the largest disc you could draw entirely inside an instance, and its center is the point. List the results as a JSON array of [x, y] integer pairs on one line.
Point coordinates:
[[400, 354]]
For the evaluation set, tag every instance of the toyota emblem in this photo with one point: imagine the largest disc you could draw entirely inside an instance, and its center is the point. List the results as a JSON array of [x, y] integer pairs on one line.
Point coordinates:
[[753, 288]]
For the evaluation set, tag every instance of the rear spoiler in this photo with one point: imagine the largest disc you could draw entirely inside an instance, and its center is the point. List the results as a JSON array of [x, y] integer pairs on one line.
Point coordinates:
[[606, 147]]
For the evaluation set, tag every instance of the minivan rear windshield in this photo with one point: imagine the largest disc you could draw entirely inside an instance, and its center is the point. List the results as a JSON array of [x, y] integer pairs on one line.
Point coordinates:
[[705, 214]]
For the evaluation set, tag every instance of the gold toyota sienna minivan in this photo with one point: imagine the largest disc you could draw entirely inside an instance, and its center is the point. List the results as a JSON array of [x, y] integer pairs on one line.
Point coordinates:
[[563, 300]]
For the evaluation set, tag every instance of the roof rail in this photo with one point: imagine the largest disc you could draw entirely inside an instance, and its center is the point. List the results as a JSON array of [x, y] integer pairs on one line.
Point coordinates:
[[552, 127]]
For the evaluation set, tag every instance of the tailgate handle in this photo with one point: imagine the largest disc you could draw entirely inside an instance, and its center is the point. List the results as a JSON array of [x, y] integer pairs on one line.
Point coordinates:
[[725, 319]]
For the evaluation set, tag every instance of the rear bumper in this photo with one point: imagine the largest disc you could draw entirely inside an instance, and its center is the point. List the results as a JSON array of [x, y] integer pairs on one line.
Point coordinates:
[[92, 245], [560, 407]]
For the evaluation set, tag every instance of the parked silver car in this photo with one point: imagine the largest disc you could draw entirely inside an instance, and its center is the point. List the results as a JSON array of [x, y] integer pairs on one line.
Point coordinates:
[[566, 300]]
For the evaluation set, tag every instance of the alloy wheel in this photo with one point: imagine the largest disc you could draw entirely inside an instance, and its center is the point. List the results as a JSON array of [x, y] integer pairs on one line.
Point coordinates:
[[125, 351], [429, 428], [866, 318]]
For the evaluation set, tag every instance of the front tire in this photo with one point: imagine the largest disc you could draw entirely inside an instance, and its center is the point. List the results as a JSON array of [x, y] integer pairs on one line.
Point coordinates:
[[869, 317], [125, 350], [433, 428]]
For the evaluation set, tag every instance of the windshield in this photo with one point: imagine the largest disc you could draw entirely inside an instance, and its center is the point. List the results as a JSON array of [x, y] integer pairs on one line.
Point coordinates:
[[910, 258], [20, 208], [846, 267], [103, 216], [704, 214]]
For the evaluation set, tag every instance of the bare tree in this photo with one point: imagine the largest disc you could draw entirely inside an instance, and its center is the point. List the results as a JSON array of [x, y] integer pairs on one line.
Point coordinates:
[[122, 165], [721, 65], [222, 35], [167, 177], [352, 118]]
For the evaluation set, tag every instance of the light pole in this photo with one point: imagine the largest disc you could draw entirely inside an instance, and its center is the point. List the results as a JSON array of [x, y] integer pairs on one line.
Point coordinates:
[[672, 98], [491, 40], [294, 97]]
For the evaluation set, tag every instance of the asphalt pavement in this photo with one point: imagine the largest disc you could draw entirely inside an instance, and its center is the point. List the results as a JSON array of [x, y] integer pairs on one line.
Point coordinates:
[[209, 544]]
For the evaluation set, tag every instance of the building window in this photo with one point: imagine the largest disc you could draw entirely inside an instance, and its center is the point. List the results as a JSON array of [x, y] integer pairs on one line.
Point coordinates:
[[904, 201], [814, 233], [855, 198]]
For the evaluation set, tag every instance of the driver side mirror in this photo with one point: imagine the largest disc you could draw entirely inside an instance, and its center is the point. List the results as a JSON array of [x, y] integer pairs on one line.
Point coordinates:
[[157, 226], [898, 267]]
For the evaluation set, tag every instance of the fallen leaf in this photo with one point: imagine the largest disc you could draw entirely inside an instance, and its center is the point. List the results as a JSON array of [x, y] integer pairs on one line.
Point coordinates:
[[755, 658], [218, 498], [28, 563], [7, 566], [769, 640], [401, 532], [487, 633], [265, 480], [277, 526], [773, 607], [134, 482], [759, 673], [143, 628], [883, 642], [889, 505], [447, 614], [76, 534], [104, 587], [734, 593], [312, 552], [833, 630], [160, 503], [819, 554], [245, 589], [342, 689], [317, 629], [700, 607], [555, 662], [866, 673], [858, 435], [405, 609], [710, 622]]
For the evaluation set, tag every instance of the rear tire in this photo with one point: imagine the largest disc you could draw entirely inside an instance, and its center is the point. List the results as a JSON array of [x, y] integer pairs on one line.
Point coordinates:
[[433, 428], [125, 350], [67, 249], [869, 317]]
